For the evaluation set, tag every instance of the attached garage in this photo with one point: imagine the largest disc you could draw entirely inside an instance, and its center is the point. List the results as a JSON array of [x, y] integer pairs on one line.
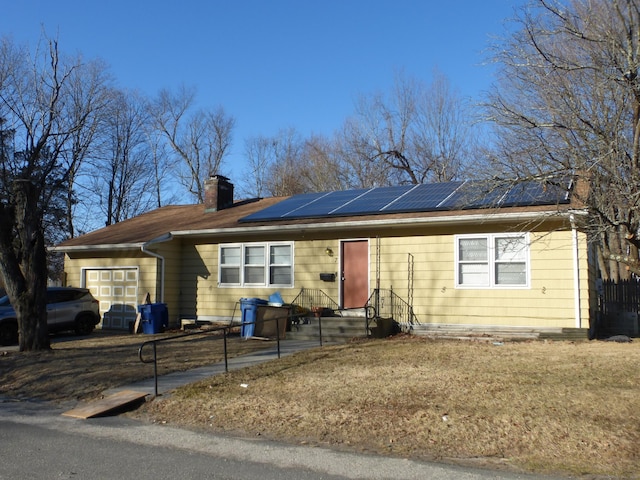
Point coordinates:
[[117, 291]]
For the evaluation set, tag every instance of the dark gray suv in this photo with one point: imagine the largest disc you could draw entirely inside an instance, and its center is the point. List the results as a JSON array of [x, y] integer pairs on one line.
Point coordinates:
[[67, 309]]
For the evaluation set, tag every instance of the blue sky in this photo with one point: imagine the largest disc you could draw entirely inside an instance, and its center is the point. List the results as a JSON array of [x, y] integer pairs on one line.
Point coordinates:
[[272, 64]]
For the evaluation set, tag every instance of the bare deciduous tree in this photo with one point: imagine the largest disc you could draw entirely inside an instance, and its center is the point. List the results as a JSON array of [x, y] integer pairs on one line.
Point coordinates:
[[199, 139], [569, 103], [321, 165], [162, 188], [87, 85], [37, 108], [275, 164], [283, 177], [419, 133], [287, 164], [123, 176], [259, 156]]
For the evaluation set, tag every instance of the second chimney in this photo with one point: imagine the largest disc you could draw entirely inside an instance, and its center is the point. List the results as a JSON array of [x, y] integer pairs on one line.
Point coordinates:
[[218, 193]]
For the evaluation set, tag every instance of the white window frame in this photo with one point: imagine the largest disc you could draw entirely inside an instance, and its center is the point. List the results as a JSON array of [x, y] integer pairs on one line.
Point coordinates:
[[266, 264], [492, 262]]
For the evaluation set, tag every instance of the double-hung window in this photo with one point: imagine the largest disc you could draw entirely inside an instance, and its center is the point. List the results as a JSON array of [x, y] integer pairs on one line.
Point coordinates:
[[492, 261], [256, 264]]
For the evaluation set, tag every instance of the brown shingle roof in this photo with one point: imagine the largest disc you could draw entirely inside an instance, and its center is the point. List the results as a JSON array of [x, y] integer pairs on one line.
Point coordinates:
[[191, 219], [154, 224]]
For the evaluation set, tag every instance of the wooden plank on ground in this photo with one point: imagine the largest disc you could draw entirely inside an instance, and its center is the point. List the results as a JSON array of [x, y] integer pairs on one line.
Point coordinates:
[[106, 405], [136, 325]]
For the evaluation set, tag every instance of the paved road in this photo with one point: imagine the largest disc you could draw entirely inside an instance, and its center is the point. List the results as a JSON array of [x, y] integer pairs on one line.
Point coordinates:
[[36, 442]]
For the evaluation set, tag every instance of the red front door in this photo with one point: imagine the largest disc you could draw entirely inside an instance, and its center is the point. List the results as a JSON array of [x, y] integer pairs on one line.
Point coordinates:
[[355, 273]]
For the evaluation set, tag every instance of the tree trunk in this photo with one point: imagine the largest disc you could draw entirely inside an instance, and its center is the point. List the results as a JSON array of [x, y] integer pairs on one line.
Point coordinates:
[[32, 327], [28, 293]]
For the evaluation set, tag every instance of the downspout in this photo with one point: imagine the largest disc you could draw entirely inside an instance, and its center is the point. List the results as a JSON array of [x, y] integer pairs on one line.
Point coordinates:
[[576, 272], [144, 249]]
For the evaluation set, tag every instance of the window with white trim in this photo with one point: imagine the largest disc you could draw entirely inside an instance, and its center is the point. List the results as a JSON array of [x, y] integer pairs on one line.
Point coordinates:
[[256, 265], [492, 260]]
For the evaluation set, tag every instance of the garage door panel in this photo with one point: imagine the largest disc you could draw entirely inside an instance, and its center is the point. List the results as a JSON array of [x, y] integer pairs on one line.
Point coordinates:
[[117, 291]]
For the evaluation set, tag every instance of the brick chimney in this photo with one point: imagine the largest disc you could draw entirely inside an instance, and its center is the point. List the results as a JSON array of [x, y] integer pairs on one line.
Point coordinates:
[[218, 193]]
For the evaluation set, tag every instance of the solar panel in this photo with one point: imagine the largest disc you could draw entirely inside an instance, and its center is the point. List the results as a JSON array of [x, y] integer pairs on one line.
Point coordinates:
[[281, 209], [534, 193], [326, 204], [474, 195], [424, 197], [412, 198], [373, 201]]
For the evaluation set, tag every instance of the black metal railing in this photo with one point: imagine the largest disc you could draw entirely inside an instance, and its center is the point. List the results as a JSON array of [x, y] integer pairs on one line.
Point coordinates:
[[213, 331], [389, 305], [313, 297]]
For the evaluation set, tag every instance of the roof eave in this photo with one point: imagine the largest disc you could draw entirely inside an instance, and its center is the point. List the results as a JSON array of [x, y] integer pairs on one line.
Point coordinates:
[[253, 230], [105, 246], [165, 237], [485, 218]]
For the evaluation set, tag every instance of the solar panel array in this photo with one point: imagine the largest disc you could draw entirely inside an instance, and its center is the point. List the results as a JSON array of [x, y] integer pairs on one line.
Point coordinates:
[[412, 198]]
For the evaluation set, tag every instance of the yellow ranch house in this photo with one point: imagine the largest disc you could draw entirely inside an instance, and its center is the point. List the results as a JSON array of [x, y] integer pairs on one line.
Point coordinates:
[[454, 255]]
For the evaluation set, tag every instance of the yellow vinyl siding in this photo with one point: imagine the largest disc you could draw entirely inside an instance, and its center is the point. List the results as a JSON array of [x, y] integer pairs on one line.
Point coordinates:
[[198, 271], [200, 279], [172, 255], [311, 260], [547, 302]]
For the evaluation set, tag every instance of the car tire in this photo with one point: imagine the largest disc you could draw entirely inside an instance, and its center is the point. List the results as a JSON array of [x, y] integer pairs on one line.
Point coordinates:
[[84, 325], [8, 333]]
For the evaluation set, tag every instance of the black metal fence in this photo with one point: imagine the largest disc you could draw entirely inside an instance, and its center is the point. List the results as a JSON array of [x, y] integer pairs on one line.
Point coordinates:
[[619, 307], [620, 296]]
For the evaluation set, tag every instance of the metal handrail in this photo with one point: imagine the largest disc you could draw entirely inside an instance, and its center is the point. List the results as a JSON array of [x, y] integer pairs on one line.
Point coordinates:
[[314, 297], [398, 309], [225, 332], [155, 341]]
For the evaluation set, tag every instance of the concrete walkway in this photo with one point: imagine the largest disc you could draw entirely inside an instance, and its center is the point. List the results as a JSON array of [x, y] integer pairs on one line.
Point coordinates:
[[178, 379]]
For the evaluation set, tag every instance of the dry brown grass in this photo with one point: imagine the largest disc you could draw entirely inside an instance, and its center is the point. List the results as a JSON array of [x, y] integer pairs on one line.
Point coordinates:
[[81, 369], [560, 407], [544, 407]]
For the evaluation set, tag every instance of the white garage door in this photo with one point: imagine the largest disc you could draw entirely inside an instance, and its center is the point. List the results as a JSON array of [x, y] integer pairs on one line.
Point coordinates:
[[117, 291]]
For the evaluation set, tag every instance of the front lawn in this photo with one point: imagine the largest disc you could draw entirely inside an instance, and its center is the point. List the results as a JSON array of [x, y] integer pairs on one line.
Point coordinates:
[[552, 407]]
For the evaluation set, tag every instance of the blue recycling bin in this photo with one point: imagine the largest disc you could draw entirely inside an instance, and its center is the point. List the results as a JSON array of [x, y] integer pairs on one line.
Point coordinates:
[[154, 316], [249, 312]]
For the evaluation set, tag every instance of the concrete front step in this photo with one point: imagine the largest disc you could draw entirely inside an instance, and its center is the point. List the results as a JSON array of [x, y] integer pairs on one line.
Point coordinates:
[[341, 329], [565, 334], [334, 329], [498, 332]]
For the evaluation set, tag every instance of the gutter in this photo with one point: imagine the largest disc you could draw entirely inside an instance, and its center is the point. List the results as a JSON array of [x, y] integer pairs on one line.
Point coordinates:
[[104, 246], [403, 222], [576, 272], [144, 249]]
